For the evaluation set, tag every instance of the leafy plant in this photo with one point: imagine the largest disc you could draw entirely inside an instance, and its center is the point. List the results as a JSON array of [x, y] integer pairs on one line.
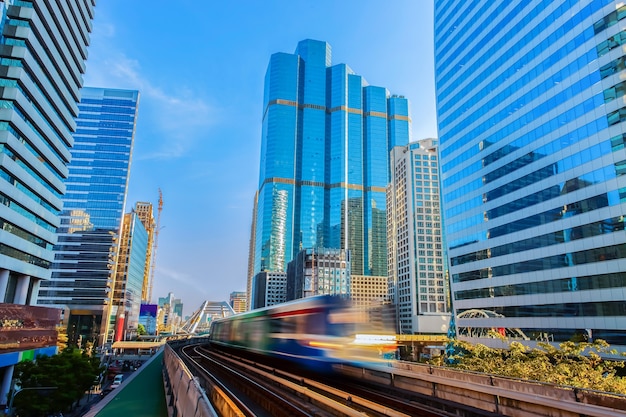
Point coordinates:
[[66, 375], [577, 364]]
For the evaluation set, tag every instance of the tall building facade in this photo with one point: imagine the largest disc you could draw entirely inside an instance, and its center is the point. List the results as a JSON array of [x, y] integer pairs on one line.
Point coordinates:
[[326, 138], [145, 212], [532, 126], [269, 288], [319, 271], [93, 207], [417, 263], [43, 47], [128, 279], [238, 301]]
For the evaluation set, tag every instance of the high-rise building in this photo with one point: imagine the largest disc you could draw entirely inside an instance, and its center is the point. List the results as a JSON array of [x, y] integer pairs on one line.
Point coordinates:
[[128, 279], [326, 137], [43, 48], [170, 313], [93, 206], [146, 215], [417, 267], [532, 126]]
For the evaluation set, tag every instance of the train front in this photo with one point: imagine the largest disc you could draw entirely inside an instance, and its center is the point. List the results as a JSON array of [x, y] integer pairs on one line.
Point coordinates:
[[359, 336]]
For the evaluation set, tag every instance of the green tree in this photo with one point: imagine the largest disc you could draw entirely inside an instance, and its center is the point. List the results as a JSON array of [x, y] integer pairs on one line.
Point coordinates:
[[577, 364], [141, 329], [72, 372]]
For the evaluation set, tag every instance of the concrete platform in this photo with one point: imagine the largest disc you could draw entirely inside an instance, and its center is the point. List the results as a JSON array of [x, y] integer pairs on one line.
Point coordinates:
[[141, 395]]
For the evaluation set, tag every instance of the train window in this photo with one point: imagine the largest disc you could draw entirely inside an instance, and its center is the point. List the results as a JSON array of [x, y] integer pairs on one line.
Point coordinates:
[[275, 326]]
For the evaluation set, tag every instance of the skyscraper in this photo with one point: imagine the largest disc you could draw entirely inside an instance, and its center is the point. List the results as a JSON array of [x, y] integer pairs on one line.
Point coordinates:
[[417, 264], [530, 103], [128, 279], [93, 207], [43, 48], [324, 161]]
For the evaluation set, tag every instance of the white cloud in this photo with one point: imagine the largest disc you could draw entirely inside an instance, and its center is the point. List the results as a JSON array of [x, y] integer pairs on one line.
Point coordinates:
[[175, 116], [181, 281]]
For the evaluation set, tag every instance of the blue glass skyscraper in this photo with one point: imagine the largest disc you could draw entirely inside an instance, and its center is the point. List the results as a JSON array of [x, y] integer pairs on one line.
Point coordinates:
[[324, 161], [93, 208], [530, 103]]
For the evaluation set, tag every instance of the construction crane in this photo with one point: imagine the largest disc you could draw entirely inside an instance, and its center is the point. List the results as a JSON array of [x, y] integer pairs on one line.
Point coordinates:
[[154, 246]]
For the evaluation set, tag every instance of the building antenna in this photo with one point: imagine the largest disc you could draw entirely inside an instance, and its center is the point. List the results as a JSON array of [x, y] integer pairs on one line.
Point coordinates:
[[154, 247]]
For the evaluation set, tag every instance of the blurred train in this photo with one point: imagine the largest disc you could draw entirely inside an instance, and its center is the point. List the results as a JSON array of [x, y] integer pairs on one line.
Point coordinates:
[[313, 333]]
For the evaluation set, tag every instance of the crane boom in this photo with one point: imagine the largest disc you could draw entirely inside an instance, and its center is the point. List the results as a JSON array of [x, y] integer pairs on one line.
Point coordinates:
[[155, 246]]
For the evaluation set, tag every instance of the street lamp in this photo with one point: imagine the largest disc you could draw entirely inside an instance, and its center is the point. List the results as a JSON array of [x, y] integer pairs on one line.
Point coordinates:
[[17, 391]]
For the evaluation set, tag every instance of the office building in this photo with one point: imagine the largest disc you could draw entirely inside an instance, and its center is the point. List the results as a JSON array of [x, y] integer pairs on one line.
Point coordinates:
[[43, 49], [319, 271], [128, 279], [532, 126], [417, 266], [93, 208], [326, 137], [269, 288]]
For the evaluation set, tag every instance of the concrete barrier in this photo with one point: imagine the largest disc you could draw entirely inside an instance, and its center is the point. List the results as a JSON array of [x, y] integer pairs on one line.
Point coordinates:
[[184, 395]]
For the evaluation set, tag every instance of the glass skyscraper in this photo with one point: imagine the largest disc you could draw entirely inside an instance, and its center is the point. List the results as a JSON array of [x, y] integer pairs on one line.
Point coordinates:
[[93, 207], [531, 114], [42, 59], [324, 161]]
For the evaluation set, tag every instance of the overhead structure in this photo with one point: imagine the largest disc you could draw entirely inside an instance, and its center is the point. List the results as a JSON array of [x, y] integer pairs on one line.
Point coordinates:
[[154, 248], [200, 321], [485, 332]]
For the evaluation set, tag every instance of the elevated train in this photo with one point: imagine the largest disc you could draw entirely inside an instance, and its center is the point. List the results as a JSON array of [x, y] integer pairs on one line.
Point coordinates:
[[313, 333]]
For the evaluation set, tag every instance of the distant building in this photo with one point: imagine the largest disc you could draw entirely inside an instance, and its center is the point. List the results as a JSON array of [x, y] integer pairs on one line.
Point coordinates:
[[268, 289], [320, 271], [417, 262], [324, 164], [170, 313], [251, 252], [93, 207], [44, 48], [238, 301], [128, 279]]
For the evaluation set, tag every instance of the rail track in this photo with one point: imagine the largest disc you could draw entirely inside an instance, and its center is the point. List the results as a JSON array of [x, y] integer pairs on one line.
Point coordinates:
[[258, 389], [397, 388]]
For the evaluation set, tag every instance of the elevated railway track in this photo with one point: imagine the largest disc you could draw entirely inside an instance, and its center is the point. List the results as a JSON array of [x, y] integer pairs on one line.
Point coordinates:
[[245, 386]]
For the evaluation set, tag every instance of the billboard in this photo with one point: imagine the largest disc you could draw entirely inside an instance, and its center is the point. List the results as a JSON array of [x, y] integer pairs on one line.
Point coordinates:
[[24, 327]]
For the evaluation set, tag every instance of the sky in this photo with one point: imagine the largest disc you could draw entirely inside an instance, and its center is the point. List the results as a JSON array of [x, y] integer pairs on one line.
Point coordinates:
[[199, 67]]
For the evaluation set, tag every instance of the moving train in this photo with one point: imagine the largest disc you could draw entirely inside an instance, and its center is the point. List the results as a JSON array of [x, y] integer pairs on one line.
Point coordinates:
[[313, 333]]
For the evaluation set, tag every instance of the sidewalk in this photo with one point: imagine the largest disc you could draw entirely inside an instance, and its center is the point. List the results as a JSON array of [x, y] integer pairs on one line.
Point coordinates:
[[141, 395]]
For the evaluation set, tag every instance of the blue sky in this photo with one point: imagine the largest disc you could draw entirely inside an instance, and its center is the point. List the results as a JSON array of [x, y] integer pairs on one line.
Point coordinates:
[[199, 67]]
